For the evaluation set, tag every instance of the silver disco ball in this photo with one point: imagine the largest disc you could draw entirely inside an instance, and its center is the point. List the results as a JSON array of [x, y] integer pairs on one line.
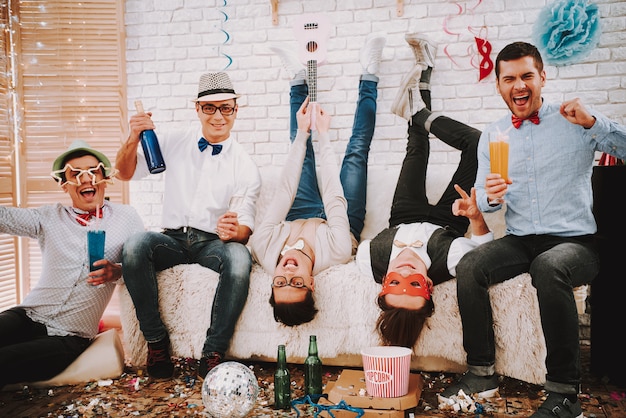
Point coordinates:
[[229, 390]]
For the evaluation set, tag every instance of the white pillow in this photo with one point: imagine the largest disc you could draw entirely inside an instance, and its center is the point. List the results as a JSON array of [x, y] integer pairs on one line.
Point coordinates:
[[103, 359]]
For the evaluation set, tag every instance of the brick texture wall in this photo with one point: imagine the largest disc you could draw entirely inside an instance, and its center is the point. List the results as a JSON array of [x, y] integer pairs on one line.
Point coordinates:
[[170, 43]]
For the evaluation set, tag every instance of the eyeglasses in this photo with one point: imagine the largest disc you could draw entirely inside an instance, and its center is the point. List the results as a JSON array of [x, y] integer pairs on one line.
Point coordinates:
[[281, 281], [225, 110], [71, 175]]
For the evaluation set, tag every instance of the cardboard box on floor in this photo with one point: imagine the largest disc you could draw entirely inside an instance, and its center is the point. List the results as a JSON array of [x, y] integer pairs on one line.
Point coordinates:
[[367, 413], [350, 383]]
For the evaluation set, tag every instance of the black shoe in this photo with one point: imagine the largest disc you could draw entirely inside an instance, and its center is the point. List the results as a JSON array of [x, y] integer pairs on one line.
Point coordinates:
[[557, 405], [159, 363], [471, 384], [208, 362]]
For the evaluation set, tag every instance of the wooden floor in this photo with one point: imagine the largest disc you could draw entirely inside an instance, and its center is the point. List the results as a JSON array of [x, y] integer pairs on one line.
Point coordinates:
[[599, 399], [134, 395]]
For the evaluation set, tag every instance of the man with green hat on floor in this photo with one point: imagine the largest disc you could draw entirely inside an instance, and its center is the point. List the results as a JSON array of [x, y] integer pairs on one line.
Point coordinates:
[[58, 319]]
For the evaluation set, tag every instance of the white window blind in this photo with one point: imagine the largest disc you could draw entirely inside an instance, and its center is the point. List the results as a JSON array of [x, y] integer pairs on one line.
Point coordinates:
[[63, 66]]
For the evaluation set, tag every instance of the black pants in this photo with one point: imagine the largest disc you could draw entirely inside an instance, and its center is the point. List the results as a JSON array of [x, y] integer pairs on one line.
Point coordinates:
[[28, 354], [410, 201]]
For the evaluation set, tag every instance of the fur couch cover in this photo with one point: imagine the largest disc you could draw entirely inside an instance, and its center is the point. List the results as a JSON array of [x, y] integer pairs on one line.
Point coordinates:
[[347, 308]]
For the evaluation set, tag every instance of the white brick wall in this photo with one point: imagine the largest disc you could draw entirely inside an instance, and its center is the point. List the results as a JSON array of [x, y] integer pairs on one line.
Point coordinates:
[[170, 43]]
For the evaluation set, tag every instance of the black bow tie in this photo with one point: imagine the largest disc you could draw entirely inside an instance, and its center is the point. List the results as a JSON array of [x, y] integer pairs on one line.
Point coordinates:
[[203, 143]]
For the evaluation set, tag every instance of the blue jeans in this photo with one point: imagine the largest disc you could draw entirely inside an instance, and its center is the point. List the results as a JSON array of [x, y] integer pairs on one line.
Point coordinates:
[[147, 253], [556, 265], [353, 175]]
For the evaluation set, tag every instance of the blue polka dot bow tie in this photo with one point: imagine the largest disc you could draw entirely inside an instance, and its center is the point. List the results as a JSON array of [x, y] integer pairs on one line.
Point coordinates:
[[203, 143]]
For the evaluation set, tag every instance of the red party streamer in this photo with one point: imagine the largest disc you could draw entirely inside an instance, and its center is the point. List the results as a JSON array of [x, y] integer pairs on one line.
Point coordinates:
[[447, 18]]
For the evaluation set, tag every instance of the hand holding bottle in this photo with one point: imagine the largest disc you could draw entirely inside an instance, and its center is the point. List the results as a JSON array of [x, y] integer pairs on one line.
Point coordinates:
[[150, 145]]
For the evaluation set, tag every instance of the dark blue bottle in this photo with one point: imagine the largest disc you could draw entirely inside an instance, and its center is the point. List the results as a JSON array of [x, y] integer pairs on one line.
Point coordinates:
[[151, 148]]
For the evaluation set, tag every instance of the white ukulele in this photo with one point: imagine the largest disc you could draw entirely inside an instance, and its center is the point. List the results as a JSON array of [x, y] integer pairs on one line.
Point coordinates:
[[312, 33]]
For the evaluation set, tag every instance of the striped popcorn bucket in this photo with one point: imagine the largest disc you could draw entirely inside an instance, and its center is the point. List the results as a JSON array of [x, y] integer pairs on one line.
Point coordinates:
[[387, 371]]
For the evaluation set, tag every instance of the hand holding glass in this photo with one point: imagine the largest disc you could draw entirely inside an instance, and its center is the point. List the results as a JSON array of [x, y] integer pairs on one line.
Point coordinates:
[[95, 245], [499, 153], [235, 202]]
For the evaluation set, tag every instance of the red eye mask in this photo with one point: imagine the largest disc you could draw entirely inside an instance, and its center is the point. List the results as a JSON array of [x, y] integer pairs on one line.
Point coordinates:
[[403, 287]]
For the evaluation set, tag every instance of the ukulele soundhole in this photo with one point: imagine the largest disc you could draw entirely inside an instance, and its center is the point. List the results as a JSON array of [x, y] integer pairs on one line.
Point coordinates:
[[311, 46]]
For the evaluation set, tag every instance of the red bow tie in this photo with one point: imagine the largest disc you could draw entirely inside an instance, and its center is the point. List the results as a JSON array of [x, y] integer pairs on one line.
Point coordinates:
[[517, 122], [84, 218]]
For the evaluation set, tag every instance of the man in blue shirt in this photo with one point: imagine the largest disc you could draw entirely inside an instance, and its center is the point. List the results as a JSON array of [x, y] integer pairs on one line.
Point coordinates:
[[550, 226]]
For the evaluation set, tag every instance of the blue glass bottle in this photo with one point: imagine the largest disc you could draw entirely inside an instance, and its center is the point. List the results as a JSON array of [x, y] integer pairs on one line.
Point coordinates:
[[151, 148]]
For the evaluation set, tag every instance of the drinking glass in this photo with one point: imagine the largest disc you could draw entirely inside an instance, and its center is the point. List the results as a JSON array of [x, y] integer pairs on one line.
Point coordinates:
[[95, 245], [499, 153], [235, 202]]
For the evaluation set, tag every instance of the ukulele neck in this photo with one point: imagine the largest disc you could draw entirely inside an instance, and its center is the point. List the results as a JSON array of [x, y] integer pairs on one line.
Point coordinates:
[[312, 80]]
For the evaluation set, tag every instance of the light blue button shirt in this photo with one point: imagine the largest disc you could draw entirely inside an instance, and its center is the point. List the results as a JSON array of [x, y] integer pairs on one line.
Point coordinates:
[[550, 165]]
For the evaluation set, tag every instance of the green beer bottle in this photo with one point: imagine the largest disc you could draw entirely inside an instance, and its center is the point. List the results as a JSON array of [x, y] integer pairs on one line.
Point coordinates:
[[282, 381], [313, 370]]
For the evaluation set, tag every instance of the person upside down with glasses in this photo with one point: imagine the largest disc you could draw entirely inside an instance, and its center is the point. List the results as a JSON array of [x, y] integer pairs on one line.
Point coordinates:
[[313, 223], [424, 241]]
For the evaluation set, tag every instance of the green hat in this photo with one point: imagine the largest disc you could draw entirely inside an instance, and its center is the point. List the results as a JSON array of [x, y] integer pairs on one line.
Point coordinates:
[[82, 148]]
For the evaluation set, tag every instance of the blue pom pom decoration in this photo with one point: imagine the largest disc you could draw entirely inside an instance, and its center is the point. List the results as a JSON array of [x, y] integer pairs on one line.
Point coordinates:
[[566, 31]]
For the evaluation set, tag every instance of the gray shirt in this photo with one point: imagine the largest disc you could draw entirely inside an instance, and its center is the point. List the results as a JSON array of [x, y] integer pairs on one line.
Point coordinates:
[[62, 299], [333, 242]]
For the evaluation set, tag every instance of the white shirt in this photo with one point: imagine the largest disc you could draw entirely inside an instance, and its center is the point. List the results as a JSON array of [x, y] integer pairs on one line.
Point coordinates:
[[198, 185], [422, 231], [62, 300]]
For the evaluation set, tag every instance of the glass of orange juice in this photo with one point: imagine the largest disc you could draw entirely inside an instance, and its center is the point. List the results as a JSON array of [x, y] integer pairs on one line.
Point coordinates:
[[499, 153]]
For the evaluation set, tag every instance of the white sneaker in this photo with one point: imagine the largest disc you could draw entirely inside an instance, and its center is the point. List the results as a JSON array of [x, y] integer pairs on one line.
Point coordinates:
[[408, 100], [372, 52], [424, 49], [290, 61]]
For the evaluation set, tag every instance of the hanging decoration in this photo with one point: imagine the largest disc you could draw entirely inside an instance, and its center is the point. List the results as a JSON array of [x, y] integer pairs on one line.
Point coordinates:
[[479, 52], [226, 34], [483, 51], [446, 29], [567, 31]]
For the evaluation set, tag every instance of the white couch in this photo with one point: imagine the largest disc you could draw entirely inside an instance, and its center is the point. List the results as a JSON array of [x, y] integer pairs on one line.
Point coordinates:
[[348, 311]]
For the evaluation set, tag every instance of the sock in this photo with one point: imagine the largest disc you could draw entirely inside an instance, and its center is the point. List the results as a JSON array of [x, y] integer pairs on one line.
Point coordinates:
[[426, 98], [301, 75], [424, 87], [421, 117], [425, 79]]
